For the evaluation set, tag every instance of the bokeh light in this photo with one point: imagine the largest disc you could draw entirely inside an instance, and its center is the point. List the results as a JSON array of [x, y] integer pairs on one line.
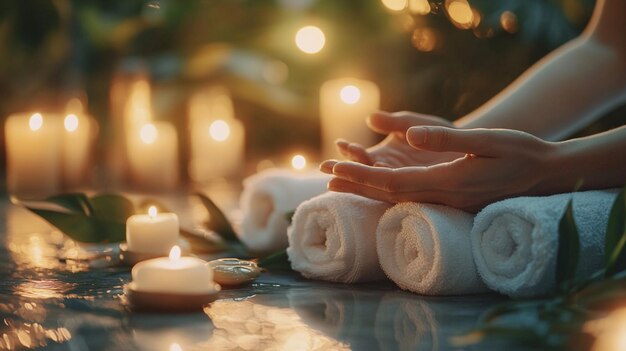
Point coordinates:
[[419, 7], [424, 39], [395, 5], [310, 39], [508, 21], [35, 122], [148, 133], [460, 13], [350, 94], [298, 162], [71, 123], [219, 130]]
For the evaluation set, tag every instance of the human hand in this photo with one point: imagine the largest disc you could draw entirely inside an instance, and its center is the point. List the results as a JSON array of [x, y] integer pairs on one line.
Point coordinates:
[[498, 163], [394, 151]]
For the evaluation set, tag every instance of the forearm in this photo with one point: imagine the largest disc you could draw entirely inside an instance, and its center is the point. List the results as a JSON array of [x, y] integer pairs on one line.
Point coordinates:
[[567, 89], [598, 161]]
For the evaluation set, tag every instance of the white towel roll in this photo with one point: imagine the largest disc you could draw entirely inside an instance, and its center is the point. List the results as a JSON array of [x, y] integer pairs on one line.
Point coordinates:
[[333, 237], [515, 241], [266, 200], [426, 249]]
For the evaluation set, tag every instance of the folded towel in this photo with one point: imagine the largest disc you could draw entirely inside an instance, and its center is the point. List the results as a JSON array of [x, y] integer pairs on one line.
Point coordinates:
[[333, 237], [515, 241], [266, 200], [426, 249]]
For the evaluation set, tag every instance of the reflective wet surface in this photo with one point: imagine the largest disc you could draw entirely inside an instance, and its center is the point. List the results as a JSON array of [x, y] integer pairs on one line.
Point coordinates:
[[59, 295]]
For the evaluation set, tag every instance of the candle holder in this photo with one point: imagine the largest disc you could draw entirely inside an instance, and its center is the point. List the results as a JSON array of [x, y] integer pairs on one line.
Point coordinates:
[[131, 258], [164, 302]]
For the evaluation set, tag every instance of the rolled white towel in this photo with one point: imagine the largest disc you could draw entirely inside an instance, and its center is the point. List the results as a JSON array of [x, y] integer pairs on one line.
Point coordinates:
[[333, 237], [426, 249], [515, 241], [266, 200]]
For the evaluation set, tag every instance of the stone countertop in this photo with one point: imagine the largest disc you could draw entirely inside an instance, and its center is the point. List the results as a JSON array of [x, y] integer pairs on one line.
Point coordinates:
[[69, 305]]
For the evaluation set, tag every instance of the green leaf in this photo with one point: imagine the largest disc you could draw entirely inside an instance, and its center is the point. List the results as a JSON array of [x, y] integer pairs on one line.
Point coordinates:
[[83, 228], [615, 240], [76, 202], [278, 261], [567, 255], [218, 221], [112, 207]]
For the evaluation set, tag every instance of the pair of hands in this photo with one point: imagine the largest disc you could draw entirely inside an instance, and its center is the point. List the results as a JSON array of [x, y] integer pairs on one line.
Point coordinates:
[[426, 159]]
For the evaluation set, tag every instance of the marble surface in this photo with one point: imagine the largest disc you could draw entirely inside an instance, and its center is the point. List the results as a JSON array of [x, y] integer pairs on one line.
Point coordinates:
[[67, 304]]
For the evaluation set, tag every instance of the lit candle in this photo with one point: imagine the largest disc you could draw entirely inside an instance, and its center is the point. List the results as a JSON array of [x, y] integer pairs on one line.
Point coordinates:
[[177, 275], [153, 156], [76, 148], [217, 138], [33, 146], [344, 105], [153, 233]]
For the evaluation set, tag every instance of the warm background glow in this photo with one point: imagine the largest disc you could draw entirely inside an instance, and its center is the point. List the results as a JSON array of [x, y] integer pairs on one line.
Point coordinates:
[[298, 162], [395, 5], [71, 123]]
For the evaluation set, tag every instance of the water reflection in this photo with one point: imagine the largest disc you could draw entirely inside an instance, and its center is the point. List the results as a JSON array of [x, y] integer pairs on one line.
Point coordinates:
[[248, 325], [345, 315], [170, 332]]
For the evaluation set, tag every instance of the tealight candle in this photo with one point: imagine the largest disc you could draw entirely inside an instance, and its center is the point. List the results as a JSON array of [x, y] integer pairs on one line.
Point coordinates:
[[344, 106], [173, 275], [152, 233]]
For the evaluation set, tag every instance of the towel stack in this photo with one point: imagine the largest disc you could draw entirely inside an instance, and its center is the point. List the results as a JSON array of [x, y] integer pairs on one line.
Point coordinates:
[[509, 247]]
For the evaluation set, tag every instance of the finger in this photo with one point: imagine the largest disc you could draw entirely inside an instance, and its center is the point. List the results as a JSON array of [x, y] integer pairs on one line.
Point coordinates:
[[382, 164], [387, 179], [358, 153], [385, 122], [327, 166], [482, 142]]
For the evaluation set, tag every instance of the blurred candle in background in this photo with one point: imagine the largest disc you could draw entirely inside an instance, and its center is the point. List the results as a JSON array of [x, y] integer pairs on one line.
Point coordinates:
[[77, 146], [217, 138], [153, 156], [344, 106], [33, 146]]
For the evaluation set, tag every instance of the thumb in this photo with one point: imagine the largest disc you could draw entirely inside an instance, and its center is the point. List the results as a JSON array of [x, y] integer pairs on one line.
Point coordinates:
[[481, 142], [385, 122]]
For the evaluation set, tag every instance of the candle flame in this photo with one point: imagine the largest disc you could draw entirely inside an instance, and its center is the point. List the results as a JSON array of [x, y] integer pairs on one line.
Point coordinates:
[[71, 123], [148, 133], [350, 94], [298, 162], [152, 212], [219, 130], [35, 122], [175, 252]]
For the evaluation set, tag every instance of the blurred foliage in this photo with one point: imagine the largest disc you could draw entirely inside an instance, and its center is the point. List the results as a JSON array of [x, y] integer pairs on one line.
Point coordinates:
[[53, 48]]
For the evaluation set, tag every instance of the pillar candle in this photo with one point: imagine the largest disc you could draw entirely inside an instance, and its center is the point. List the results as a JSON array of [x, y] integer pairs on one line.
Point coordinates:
[[153, 156], [154, 233], [344, 106], [77, 142], [33, 146], [217, 138]]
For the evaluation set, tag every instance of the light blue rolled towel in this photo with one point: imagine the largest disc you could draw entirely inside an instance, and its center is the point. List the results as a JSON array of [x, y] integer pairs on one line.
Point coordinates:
[[515, 241]]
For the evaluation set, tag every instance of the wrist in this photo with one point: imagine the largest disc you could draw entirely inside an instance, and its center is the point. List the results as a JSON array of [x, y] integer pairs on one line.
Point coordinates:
[[562, 172]]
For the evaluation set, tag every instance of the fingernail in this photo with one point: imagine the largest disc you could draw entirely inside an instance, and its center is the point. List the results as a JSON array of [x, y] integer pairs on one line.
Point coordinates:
[[418, 135]]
